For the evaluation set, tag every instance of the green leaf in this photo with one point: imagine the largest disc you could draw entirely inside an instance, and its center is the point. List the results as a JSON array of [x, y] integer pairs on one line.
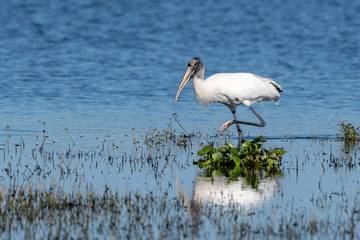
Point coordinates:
[[246, 144], [236, 151], [279, 152], [235, 173], [203, 164], [222, 149], [217, 156], [236, 159], [207, 149], [201, 153], [217, 173], [237, 170], [258, 139], [230, 145]]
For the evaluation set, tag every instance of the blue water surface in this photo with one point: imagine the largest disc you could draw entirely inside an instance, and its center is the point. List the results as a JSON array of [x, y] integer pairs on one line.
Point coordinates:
[[89, 78], [116, 65]]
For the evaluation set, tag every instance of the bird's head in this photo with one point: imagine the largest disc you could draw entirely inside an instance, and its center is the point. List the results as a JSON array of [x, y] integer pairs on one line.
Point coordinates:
[[194, 66]]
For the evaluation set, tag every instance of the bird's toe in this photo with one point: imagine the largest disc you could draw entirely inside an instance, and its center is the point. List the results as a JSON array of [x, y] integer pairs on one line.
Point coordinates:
[[225, 126]]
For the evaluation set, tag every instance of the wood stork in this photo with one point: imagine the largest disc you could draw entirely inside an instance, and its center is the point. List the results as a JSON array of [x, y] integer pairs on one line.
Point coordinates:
[[231, 89]]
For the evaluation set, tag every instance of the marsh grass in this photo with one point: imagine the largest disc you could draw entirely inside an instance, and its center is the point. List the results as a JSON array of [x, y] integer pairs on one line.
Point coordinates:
[[348, 132], [38, 212], [154, 136]]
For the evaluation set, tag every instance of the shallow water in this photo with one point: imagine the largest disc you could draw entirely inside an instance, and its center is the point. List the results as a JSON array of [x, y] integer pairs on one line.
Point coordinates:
[[101, 74]]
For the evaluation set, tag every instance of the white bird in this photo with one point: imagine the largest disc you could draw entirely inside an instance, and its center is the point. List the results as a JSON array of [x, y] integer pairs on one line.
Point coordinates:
[[231, 89]]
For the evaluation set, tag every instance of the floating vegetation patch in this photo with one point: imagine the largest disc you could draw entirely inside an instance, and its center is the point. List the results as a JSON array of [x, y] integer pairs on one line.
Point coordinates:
[[252, 159], [251, 155]]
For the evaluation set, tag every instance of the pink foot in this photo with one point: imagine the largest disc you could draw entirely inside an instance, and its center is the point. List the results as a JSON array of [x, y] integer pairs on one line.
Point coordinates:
[[225, 126]]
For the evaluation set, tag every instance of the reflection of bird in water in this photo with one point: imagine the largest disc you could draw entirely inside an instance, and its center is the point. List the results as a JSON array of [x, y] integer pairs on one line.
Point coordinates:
[[231, 89], [220, 192]]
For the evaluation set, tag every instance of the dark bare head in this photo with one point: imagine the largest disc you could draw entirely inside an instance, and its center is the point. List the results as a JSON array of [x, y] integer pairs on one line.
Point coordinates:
[[195, 66]]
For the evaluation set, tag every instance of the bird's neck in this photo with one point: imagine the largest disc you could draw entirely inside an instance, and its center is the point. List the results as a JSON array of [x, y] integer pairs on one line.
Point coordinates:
[[199, 86], [200, 74], [198, 78]]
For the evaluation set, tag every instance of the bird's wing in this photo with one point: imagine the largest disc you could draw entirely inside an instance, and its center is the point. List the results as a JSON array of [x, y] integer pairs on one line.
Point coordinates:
[[272, 82], [243, 88]]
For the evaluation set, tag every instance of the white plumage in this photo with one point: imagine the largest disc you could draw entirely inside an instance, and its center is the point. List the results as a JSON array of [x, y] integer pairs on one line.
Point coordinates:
[[234, 89], [231, 89]]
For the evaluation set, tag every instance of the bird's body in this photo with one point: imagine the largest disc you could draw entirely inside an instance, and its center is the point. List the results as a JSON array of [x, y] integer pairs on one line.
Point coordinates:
[[231, 89]]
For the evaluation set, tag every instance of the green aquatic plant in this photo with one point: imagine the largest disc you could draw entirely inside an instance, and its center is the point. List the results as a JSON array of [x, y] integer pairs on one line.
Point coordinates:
[[250, 161], [348, 132], [252, 154]]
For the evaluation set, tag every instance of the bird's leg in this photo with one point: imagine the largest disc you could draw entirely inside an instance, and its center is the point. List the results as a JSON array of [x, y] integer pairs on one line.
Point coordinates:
[[231, 122], [238, 128]]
